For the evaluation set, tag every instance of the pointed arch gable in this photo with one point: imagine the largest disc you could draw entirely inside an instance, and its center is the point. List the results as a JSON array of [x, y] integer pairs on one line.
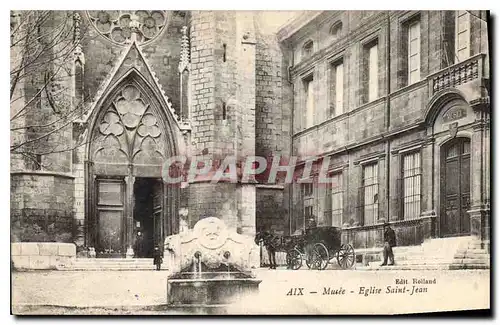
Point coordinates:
[[155, 106], [132, 112]]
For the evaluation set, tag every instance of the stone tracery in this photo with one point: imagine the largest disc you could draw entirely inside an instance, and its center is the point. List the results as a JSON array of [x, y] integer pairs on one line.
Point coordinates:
[[129, 131], [116, 24]]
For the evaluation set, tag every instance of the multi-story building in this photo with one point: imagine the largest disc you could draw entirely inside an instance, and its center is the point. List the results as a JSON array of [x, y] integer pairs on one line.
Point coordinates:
[[399, 101]]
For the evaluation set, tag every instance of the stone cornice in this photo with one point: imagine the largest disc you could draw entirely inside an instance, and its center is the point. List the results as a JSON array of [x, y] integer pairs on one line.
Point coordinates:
[[43, 173], [409, 146], [341, 117], [393, 222], [293, 26], [343, 42], [370, 158]]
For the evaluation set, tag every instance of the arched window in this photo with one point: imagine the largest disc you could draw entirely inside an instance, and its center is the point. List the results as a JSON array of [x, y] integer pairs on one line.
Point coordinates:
[[307, 49], [336, 30]]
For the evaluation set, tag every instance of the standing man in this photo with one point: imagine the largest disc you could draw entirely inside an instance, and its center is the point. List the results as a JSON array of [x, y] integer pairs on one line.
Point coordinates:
[[389, 243], [138, 245], [157, 260]]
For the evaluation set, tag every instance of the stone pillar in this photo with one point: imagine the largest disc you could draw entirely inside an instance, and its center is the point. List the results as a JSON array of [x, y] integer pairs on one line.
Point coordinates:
[[383, 209], [427, 177], [476, 212], [245, 96], [201, 195], [477, 167], [394, 207], [248, 199], [354, 208], [479, 211], [129, 214]]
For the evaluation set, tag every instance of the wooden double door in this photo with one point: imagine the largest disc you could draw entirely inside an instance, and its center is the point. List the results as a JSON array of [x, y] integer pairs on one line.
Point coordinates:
[[128, 213], [455, 188]]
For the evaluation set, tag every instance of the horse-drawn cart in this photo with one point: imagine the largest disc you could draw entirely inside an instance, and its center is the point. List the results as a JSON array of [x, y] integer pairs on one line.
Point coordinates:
[[317, 247]]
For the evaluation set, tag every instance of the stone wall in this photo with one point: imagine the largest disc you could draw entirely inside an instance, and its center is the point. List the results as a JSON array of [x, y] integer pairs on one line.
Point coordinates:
[[222, 82], [41, 256], [45, 199], [202, 80], [271, 210], [273, 124]]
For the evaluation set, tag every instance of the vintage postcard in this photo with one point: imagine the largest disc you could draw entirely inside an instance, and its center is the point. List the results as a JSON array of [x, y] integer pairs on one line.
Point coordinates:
[[203, 162]]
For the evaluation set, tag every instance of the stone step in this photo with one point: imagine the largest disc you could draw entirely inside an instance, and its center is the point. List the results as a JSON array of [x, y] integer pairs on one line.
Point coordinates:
[[472, 251], [438, 253], [410, 267], [471, 261], [469, 266], [452, 242], [424, 261], [472, 255], [109, 265], [474, 246], [110, 262], [121, 260], [422, 256], [106, 269]]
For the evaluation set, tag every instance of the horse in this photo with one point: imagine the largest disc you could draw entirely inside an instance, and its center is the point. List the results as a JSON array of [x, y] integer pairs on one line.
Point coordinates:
[[274, 243]]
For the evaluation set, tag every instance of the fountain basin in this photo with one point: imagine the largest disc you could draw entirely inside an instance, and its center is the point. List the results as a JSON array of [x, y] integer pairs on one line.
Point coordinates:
[[211, 268], [209, 289]]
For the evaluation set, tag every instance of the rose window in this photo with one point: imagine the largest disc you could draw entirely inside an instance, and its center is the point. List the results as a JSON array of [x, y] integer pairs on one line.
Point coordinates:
[[117, 25]]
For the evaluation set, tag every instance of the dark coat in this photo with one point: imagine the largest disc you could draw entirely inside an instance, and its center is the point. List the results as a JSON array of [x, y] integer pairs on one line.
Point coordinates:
[[157, 258], [390, 236]]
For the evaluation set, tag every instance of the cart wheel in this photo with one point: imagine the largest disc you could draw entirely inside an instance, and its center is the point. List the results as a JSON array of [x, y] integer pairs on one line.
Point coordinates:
[[346, 256], [318, 257], [294, 259], [308, 249]]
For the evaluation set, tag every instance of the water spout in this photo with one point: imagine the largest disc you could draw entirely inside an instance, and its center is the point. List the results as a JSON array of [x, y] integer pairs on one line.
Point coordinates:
[[227, 254], [197, 265]]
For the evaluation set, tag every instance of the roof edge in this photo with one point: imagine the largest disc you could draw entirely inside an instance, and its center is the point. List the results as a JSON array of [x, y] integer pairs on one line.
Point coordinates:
[[294, 25]]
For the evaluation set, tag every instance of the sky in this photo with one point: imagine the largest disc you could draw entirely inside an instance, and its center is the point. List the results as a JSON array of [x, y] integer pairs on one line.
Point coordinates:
[[272, 20]]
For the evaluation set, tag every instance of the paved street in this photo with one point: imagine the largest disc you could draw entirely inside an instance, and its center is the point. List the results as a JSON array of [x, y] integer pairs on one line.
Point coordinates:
[[144, 292]]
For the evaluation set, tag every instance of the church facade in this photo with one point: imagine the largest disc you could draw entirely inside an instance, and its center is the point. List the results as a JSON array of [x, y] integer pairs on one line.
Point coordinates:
[[142, 87], [400, 108]]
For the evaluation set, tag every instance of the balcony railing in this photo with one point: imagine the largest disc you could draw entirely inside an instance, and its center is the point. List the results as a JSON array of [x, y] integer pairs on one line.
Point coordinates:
[[458, 74]]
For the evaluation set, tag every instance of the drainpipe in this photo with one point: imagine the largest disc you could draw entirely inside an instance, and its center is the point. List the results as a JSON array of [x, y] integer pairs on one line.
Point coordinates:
[[388, 117], [292, 116]]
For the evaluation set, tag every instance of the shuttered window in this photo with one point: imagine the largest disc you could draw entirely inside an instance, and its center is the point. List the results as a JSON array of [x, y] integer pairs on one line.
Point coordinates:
[[370, 189], [414, 52], [309, 101], [337, 192], [336, 88], [373, 72], [308, 199], [462, 38], [412, 175]]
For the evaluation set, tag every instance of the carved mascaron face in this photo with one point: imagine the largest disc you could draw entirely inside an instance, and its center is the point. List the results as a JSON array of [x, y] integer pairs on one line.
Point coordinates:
[[211, 233]]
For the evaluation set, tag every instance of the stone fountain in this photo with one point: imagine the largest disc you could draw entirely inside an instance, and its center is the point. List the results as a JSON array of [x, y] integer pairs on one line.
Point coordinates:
[[211, 267]]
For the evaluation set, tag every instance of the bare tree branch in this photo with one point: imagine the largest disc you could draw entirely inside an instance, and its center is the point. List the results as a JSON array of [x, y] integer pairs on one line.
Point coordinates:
[[43, 44]]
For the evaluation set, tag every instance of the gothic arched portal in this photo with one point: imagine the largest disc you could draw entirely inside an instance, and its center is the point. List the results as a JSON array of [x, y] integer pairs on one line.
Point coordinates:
[[129, 205]]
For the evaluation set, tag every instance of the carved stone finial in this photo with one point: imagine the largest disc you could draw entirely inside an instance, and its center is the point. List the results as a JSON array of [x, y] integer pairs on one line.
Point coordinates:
[[134, 27], [78, 52], [77, 19], [185, 59]]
